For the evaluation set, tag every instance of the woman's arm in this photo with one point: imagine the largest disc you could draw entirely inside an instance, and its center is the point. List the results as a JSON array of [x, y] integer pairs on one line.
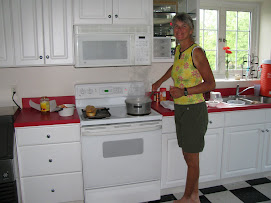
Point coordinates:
[[208, 84], [165, 77]]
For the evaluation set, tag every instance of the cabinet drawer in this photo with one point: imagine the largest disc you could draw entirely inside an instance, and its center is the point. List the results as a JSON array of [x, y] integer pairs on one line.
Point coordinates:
[[168, 124], [49, 159], [47, 134], [216, 120], [246, 117], [53, 188]]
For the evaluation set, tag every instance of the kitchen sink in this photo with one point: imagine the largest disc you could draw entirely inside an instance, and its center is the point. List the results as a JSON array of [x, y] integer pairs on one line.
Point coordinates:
[[246, 100]]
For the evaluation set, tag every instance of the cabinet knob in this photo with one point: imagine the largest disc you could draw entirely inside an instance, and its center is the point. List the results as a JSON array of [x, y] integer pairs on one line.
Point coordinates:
[[116, 16], [50, 160], [109, 16], [52, 190], [210, 122], [267, 130], [47, 57], [41, 57], [48, 136], [262, 131]]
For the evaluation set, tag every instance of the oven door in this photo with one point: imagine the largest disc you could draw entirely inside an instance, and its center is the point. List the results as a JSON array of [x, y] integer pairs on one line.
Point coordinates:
[[121, 154]]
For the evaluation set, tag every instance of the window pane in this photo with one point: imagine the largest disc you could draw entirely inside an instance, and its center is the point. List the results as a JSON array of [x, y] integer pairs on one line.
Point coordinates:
[[241, 57], [211, 55], [210, 19], [231, 59], [231, 20], [201, 19], [201, 38], [231, 39], [243, 41], [210, 40], [243, 21]]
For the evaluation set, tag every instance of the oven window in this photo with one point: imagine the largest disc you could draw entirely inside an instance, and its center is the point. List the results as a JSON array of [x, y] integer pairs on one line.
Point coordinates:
[[123, 148]]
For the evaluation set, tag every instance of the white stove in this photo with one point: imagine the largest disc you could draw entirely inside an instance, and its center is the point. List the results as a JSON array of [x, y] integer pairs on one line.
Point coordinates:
[[121, 153], [111, 96]]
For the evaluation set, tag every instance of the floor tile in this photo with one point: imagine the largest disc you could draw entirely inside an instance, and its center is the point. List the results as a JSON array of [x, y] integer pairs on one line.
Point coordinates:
[[258, 181], [265, 189], [223, 197], [203, 199], [165, 199], [209, 190], [233, 186], [249, 194]]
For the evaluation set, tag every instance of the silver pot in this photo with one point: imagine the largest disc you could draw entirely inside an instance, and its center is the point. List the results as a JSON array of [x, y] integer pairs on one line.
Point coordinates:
[[138, 106]]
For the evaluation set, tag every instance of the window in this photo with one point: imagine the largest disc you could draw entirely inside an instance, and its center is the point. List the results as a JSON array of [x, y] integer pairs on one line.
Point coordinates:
[[232, 25]]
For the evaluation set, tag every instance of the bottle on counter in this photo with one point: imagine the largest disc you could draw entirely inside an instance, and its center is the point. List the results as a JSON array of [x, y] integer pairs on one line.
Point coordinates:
[[163, 94], [156, 97], [44, 104]]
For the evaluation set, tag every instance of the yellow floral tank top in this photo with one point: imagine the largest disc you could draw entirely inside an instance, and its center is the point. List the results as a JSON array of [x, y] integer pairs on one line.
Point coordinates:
[[185, 74]]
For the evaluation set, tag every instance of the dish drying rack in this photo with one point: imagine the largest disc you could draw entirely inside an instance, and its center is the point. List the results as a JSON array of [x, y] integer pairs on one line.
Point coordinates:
[[252, 66]]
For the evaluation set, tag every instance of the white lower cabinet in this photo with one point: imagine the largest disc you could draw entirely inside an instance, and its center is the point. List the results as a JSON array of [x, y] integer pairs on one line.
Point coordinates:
[[50, 163], [266, 164], [242, 150], [174, 168]]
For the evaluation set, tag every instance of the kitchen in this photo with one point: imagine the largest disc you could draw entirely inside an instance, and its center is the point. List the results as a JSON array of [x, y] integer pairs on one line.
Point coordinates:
[[60, 80]]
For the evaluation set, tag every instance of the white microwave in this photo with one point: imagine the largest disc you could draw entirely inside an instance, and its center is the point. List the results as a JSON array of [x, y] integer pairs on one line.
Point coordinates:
[[112, 45]]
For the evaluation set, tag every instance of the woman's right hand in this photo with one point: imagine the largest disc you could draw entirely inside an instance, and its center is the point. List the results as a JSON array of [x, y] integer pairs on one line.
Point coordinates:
[[156, 85]]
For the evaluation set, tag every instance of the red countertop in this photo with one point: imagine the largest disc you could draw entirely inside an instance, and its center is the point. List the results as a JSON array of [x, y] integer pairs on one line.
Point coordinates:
[[224, 92], [31, 117]]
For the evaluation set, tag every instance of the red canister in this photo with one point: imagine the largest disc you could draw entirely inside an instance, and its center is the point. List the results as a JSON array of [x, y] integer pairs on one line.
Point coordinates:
[[266, 78]]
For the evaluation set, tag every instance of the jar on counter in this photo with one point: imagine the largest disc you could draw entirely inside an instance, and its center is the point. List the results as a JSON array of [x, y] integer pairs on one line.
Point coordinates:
[[44, 104], [163, 94]]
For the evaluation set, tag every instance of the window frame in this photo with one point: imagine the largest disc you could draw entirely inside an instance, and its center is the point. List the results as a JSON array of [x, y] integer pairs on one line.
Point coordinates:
[[221, 8]]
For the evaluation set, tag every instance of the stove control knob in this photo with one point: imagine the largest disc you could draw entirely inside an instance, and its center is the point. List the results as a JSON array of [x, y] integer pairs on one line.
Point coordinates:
[[90, 91], [82, 91]]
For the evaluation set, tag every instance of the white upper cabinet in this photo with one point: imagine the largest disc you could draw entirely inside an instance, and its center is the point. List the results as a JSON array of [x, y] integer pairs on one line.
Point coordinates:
[[112, 11], [42, 32], [6, 40]]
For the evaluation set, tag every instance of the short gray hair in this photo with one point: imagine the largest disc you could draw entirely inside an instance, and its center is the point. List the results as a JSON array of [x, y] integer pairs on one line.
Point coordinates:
[[183, 17]]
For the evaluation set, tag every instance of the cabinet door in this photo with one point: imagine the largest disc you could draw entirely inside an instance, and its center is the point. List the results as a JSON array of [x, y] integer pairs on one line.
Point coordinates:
[[6, 39], [53, 188], [93, 12], [28, 32], [242, 150], [267, 149], [210, 158], [131, 11], [58, 31], [174, 168]]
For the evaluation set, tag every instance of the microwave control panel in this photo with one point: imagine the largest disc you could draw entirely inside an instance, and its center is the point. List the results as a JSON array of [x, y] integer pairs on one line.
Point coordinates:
[[142, 49]]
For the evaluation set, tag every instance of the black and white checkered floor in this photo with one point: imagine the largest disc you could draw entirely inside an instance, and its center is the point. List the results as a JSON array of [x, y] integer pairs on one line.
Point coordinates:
[[257, 190]]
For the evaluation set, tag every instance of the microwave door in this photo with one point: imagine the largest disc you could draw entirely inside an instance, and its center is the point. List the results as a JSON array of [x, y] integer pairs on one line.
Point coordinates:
[[104, 50]]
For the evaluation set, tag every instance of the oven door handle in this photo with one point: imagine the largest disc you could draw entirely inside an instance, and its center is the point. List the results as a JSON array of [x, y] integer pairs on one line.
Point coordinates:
[[119, 130]]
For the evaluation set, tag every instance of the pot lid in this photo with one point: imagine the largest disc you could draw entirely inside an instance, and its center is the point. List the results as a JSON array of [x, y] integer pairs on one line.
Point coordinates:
[[136, 100]]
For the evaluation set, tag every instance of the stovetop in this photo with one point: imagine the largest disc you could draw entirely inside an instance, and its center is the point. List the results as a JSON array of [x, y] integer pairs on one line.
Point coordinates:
[[111, 96], [118, 115]]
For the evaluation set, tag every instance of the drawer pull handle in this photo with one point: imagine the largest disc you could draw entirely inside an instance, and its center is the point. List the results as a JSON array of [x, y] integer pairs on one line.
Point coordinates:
[[267, 130], [262, 131], [53, 190], [50, 160], [48, 136], [210, 122]]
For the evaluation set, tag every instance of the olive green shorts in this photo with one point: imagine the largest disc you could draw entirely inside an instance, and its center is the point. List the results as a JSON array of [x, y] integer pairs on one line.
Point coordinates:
[[191, 125]]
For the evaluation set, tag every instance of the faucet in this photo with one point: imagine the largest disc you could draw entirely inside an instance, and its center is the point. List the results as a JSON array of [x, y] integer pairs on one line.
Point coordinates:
[[237, 94]]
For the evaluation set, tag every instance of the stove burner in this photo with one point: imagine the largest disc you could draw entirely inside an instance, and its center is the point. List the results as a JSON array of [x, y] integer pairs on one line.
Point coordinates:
[[100, 113]]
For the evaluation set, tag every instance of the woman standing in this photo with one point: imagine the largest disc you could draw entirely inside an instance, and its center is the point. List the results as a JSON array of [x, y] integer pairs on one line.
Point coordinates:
[[192, 77]]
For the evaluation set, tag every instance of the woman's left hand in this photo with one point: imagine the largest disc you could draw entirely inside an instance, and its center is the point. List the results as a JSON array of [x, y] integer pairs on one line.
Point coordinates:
[[176, 92]]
